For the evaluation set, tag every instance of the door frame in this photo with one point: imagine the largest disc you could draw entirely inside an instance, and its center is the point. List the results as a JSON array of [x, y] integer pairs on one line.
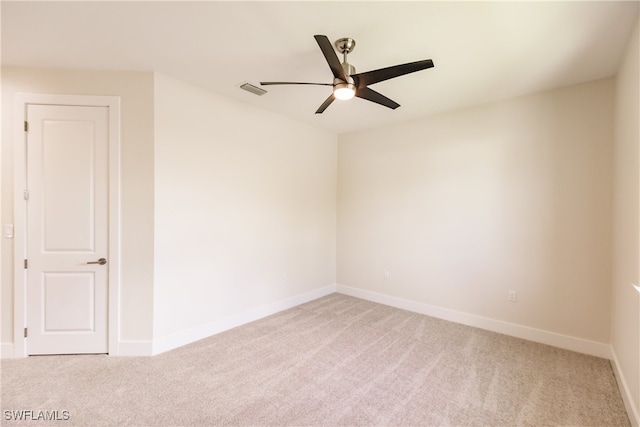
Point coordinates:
[[21, 102]]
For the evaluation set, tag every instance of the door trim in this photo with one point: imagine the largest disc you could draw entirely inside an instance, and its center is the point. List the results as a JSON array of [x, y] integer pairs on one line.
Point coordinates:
[[21, 101]]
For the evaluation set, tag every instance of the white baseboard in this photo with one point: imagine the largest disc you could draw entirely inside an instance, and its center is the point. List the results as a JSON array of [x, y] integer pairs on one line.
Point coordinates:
[[189, 336], [133, 348], [6, 351], [579, 345], [623, 385]]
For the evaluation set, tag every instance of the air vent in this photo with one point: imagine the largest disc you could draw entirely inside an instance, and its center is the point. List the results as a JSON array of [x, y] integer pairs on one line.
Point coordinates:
[[253, 89]]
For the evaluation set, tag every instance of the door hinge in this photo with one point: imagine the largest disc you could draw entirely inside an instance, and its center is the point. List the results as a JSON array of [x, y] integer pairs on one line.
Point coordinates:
[[25, 332], [26, 263], [26, 194], [26, 126]]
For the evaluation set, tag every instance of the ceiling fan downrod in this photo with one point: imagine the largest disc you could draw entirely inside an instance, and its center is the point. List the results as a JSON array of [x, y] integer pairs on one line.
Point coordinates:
[[345, 89], [345, 46]]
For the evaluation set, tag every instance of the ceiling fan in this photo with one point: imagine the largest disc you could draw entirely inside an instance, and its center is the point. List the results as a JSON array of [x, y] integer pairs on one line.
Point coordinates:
[[347, 84]]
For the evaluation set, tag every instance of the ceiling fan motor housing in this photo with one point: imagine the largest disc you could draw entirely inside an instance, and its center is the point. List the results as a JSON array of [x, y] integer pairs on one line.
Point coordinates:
[[348, 69]]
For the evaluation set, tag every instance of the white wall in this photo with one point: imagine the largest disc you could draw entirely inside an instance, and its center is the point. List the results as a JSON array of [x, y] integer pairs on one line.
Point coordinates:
[[136, 92], [462, 207], [245, 205], [625, 331]]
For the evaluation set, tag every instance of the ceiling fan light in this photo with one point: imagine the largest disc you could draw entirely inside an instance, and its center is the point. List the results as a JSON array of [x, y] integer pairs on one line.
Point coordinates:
[[344, 91]]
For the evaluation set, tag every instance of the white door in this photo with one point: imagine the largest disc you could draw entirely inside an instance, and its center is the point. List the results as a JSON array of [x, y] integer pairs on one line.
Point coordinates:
[[67, 229]]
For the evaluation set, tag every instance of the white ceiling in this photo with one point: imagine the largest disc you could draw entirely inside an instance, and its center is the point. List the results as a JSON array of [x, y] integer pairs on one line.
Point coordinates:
[[483, 51]]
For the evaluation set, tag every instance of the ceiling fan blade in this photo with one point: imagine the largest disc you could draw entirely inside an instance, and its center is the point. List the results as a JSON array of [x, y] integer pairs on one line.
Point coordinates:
[[370, 77], [330, 55], [378, 98], [325, 104], [294, 83]]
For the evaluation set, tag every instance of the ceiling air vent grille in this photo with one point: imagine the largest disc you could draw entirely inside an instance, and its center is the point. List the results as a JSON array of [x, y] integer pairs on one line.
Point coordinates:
[[253, 89]]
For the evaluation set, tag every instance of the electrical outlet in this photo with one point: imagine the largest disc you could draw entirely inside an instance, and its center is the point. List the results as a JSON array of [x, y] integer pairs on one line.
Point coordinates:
[[512, 296], [386, 274]]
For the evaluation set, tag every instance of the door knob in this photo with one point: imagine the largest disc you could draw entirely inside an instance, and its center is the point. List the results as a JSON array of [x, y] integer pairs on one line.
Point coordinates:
[[101, 261]]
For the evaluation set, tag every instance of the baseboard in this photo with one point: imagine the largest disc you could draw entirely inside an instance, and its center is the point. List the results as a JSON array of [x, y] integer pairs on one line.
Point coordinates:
[[133, 348], [189, 336], [579, 345], [623, 385], [6, 351]]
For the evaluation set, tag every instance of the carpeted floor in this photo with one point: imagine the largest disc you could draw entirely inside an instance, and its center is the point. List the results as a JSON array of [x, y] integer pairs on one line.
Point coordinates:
[[334, 361]]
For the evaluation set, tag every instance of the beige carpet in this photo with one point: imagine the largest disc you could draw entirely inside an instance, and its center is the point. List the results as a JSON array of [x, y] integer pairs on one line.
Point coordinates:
[[334, 361]]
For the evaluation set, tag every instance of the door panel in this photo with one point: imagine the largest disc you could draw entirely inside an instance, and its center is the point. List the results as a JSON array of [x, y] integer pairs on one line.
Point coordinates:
[[68, 179], [64, 290], [67, 227]]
